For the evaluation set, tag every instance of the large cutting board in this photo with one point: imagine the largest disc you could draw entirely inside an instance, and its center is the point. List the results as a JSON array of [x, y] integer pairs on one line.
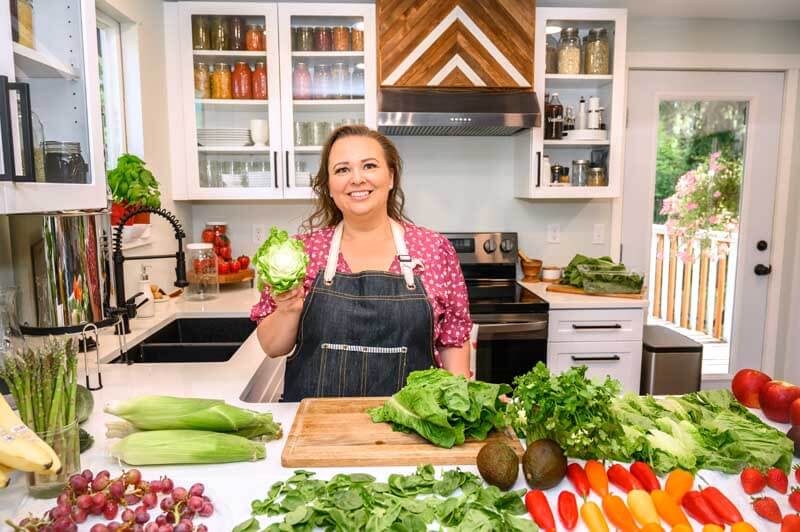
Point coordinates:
[[569, 289], [338, 432]]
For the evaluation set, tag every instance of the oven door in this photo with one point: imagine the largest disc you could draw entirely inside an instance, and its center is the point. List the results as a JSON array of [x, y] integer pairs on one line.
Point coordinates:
[[509, 345]]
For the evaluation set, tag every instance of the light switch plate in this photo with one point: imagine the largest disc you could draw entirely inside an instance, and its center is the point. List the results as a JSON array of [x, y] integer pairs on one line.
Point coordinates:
[[259, 233], [553, 233], [598, 234]]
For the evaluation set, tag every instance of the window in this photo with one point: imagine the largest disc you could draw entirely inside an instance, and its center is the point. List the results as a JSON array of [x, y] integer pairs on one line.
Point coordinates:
[[112, 94]]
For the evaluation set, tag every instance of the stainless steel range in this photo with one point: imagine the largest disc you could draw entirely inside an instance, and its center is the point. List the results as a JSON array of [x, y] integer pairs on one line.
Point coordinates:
[[512, 321]]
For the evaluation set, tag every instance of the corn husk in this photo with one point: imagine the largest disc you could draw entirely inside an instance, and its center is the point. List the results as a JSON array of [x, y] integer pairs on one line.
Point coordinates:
[[156, 447]]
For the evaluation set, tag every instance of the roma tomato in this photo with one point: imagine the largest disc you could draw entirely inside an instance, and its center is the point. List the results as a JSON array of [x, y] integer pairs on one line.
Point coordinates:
[[235, 266], [244, 261], [224, 268]]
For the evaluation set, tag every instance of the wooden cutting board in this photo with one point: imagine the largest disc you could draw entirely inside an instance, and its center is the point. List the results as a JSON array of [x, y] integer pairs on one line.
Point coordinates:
[[338, 432], [569, 289]]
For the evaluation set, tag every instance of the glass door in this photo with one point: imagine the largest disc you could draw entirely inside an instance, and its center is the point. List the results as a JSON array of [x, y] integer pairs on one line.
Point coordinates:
[[327, 80], [51, 132], [229, 64]]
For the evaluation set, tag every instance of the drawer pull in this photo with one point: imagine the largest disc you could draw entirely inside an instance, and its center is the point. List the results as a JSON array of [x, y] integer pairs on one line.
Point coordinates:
[[593, 327], [594, 359]]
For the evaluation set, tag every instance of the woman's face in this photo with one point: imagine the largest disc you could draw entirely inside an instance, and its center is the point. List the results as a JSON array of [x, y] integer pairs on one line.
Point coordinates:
[[359, 177]]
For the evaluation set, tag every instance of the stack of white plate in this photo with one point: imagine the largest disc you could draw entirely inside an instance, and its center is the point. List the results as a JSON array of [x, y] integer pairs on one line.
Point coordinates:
[[259, 179], [224, 137]]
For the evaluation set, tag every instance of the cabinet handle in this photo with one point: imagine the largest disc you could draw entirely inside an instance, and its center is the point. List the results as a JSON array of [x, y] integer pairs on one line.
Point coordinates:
[[275, 167], [593, 327], [538, 168], [592, 359], [5, 131], [287, 168], [10, 173]]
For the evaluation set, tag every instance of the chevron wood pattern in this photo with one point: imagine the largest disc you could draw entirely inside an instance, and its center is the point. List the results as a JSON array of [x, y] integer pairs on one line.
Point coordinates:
[[417, 38]]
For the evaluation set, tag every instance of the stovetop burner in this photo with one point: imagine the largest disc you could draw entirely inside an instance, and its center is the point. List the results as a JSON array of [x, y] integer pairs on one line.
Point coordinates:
[[502, 297]]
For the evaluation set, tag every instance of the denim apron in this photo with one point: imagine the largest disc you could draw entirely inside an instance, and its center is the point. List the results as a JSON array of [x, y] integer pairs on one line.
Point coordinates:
[[361, 334]]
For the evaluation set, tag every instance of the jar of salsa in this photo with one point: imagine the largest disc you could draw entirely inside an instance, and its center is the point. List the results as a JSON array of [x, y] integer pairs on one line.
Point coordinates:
[[341, 39], [305, 39], [260, 81], [201, 32], [242, 81], [301, 82], [357, 38], [221, 82], [202, 81], [251, 39], [236, 33], [219, 33], [322, 39]]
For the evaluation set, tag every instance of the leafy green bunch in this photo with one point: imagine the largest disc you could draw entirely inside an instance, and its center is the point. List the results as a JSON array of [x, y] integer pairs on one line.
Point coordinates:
[[130, 181], [281, 262]]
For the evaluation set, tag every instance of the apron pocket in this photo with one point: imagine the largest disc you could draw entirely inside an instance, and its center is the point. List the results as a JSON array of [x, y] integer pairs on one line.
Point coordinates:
[[359, 370]]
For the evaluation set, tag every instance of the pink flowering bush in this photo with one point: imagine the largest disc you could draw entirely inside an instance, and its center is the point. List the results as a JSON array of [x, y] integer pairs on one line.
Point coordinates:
[[706, 199]]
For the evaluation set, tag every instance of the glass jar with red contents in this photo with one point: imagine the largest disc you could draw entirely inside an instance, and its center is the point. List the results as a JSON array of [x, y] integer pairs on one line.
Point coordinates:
[[262, 38], [260, 81], [242, 81], [322, 39], [252, 40], [301, 82]]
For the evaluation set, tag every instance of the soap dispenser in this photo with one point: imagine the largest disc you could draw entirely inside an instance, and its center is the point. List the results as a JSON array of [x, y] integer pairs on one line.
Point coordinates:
[[147, 307]]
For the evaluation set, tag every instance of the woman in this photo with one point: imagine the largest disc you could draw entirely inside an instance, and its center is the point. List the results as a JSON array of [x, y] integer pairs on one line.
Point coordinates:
[[381, 298]]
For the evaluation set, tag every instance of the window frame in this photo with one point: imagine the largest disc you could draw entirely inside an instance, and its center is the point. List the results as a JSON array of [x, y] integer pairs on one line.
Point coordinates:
[[112, 79]]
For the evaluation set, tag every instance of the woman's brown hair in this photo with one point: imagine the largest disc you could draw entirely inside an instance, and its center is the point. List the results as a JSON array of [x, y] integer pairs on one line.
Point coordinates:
[[326, 213]]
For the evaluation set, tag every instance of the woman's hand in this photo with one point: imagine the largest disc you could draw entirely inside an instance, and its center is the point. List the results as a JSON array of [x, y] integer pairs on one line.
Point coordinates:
[[289, 302]]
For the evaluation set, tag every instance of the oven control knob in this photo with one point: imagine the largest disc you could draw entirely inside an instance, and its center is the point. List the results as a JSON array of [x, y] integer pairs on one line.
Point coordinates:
[[506, 245], [489, 246]]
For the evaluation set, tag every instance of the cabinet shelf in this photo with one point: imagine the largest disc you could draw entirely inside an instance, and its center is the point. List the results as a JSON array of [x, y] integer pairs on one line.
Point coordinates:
[[329, 105], [39, 64], [233, 149], [308, 149], [230, 53], [226, 103], [327, 54], [573, 193], [576, 143], [574, 81]]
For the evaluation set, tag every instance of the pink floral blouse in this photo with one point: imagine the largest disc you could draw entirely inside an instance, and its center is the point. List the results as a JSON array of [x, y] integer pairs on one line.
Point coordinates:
[[441, 275]]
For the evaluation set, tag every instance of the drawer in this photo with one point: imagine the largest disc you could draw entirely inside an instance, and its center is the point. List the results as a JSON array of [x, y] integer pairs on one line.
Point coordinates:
[[596, 325], [619, 360]]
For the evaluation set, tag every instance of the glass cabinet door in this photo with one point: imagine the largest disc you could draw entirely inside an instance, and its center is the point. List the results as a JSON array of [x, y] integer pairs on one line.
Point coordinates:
[[51, 132], [230, 67], [327, 63]]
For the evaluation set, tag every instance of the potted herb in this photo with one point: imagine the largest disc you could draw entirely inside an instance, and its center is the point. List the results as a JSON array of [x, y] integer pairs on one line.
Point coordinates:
[[132, 186]]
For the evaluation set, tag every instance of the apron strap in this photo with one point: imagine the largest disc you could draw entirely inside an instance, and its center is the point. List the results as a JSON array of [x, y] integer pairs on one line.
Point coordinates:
[[406, 262]]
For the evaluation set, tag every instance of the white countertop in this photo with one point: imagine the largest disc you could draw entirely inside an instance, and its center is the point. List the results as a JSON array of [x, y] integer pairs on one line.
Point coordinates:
[[562, 301]]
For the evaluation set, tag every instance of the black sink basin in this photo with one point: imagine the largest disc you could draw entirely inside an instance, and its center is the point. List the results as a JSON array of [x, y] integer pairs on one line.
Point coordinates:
[[192, 340]]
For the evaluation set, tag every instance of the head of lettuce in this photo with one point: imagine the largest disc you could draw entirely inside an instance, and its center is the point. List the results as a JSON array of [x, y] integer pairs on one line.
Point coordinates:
[[280, 262]]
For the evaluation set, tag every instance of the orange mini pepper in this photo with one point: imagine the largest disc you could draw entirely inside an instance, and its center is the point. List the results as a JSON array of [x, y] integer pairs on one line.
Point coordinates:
[[598, 479], [679, 482], [668, 509]]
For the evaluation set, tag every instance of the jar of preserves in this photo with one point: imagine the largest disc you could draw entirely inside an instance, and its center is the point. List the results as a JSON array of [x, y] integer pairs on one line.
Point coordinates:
[[551, 62], [260, 81], [219, 33], [357, 39], [251, 38], [203, 279], [580, 173], [569, 52], [340, 77], [341, 38], [322, 82], [305, 39], [322, 39], [236, 33], [596, 52], [221, 82], [242, 81], [201, 32], [202, 81], [301, 82], [262, 38]]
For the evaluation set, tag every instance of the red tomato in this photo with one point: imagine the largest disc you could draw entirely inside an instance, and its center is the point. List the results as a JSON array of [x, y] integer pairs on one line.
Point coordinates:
[[226, 253], [224, 268], [198, 265], [219, 241], [235, 266], [208, 236], [244, 261]]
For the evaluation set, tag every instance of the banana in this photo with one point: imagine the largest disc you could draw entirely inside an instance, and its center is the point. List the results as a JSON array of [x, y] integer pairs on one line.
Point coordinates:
[[5, 476], [21, 448]]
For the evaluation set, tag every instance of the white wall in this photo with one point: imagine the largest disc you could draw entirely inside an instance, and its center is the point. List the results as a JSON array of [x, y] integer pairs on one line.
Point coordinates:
[[451, 184]]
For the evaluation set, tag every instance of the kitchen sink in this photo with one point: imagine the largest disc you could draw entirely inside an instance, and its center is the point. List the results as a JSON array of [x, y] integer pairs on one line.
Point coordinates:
[[192, 340]]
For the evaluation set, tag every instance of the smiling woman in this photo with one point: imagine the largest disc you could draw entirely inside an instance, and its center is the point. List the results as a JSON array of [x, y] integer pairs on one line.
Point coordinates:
[[391, 298]]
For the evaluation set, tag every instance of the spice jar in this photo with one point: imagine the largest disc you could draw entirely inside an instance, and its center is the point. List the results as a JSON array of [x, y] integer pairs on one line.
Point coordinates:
[[242, 81], [201, 32], [340, 76], [322, 82], [305, 39], [203, 280], [551, 62], [357, 40], [569, 52], [341, 39], [301, 82], [251, 38], [236, 33], [322, 39], [202, 81], [597, 177], [219, 33], [260, 81], [596, 52], [580, 173], [554, 118], [221, 82]]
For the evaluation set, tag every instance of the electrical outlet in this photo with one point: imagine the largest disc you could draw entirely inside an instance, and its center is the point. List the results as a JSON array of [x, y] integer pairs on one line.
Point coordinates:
[[259, 233], [553, 233], [598, 234]]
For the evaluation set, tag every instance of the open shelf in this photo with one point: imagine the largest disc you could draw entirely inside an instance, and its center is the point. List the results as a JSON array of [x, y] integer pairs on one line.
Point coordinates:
[[577, 81], [327, 54], [573, 193], [40, 64], [329, 105], [226, 103], [576, 143], [308, 149], [230, 53], [233, 149]]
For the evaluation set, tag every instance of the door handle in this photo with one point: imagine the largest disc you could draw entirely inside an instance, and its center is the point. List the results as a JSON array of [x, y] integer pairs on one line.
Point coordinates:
[[275, 167], [526, 326], [595, 327], [287, 168], [538, 168], [592, 359], [760, 269], [10, 172]]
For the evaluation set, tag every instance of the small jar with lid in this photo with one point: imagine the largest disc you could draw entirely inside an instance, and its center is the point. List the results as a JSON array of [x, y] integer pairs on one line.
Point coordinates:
[[202, 81], [580, 173], [203, 279], [251, 38], [597, 177], [596, 53], [569, 52], [551, 59]]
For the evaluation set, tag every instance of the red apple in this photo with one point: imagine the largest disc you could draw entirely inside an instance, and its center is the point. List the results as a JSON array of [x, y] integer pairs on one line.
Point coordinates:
[[746, 385], [794, 413], [776, 397]]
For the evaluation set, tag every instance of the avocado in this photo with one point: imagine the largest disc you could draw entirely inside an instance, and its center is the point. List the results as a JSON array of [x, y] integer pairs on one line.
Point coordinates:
[[498, 465], [544, 464]]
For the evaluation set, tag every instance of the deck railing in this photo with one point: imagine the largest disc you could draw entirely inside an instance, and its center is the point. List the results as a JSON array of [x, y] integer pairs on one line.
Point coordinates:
[[695, 294]]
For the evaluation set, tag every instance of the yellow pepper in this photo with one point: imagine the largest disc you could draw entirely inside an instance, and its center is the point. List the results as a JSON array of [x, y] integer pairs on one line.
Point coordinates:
[[593, 517], [642, 507]]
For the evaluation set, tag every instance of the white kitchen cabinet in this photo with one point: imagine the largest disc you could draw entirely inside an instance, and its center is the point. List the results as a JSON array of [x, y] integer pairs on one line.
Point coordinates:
[[50, 121], [608, 341], [530, 181], [217, 156]]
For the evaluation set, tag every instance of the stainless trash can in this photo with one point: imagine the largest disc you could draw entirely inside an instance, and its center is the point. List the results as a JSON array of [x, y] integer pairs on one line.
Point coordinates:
[[671, 362]]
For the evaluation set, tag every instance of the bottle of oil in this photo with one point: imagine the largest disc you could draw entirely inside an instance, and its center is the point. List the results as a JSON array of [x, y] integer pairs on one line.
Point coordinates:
[[554, 118]]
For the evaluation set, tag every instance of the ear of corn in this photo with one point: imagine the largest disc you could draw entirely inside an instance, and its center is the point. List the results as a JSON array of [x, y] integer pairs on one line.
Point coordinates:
[[155, 447], [159, 412]]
